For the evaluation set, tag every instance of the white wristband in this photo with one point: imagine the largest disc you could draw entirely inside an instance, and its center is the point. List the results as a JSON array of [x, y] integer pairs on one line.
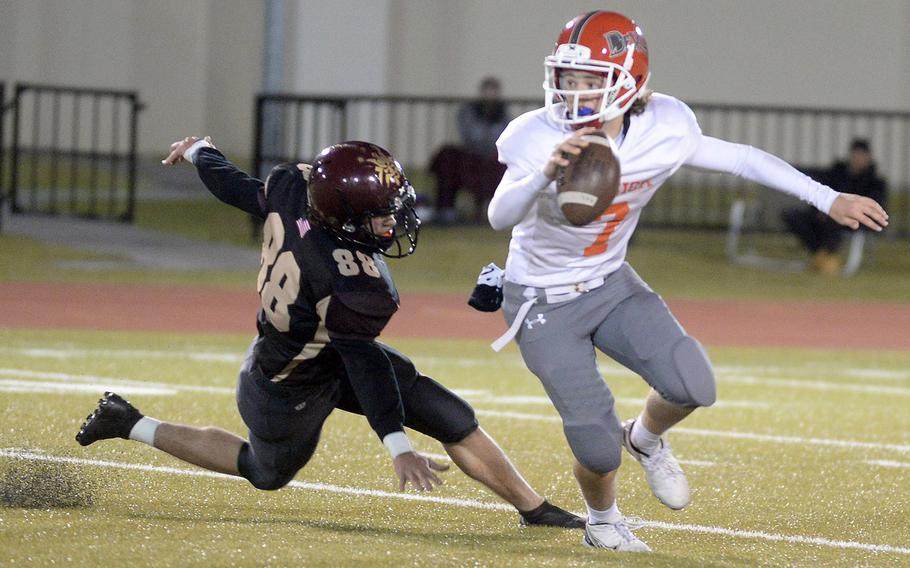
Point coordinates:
[[190, 153], [397, 443]]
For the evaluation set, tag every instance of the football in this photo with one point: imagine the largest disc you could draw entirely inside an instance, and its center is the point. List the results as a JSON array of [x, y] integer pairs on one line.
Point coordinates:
[[587, 186]]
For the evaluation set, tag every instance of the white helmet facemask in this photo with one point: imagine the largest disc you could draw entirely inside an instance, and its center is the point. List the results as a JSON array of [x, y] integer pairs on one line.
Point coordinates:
[[563, 104]]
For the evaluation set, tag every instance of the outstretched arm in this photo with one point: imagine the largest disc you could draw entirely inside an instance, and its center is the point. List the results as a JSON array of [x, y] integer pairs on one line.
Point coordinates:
[[226, 181], [764, 168]]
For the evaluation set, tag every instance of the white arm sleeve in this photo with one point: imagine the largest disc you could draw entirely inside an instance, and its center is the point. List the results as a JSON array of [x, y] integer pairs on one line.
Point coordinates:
[[761, 167], [514, 197]]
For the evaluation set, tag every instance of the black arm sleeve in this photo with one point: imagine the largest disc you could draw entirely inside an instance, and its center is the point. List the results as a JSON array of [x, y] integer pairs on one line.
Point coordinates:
[[229, 183], [375, 386]]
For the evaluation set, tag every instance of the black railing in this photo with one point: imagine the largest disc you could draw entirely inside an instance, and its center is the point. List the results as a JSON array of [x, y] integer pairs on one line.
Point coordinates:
[[291, 127], [73, 151]]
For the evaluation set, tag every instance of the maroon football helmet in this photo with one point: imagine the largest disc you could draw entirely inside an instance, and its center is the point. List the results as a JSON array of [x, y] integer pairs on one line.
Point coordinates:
[[351, 183]]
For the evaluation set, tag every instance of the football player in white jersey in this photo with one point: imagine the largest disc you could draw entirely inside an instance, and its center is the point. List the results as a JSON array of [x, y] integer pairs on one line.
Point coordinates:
[[568, 290]]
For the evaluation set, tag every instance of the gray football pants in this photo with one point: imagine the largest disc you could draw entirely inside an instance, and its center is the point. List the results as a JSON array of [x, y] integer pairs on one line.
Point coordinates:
[[626, 320]]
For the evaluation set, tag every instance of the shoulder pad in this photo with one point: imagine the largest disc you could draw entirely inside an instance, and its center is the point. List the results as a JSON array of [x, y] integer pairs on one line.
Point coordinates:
[[286, 187]]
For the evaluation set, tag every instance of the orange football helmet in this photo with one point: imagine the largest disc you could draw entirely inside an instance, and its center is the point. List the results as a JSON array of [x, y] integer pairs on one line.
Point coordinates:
[[606, 44]]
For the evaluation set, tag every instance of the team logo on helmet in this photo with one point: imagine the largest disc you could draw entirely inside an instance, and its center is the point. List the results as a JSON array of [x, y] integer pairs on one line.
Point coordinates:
[[617, 43], [387, 170]]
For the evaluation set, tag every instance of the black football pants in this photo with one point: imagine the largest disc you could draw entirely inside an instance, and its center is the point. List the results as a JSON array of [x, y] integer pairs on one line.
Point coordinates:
[[285, 420]]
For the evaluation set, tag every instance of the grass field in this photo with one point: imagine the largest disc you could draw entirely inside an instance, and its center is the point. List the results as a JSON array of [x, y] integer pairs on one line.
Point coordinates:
[[804, 462], [677, 264]]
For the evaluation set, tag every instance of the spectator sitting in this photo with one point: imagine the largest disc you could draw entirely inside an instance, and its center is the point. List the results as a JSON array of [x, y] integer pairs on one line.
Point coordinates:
[[818, 232], [473, 165]]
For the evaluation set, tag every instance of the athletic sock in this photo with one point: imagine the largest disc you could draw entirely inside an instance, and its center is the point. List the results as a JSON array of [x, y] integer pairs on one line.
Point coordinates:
[[611, 515], [643, 439], [144, 430]]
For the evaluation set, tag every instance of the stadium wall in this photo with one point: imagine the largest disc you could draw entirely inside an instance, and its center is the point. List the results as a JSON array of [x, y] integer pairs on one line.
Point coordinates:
[[198, 63]]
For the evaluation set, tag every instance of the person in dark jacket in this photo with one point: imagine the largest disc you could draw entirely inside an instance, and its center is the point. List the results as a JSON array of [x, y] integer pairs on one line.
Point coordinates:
[[820, 234], [473, 165]]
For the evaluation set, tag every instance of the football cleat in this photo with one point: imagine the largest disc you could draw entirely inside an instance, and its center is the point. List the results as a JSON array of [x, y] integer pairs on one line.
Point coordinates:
[[114, 418], [665, 477], [615, 536], [549, 515]]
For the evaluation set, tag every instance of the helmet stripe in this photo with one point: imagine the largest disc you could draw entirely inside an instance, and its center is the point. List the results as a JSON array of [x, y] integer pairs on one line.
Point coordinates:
[[579, 27]]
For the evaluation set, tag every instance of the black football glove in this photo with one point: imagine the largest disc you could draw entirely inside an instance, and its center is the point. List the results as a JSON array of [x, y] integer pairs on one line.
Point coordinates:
[[487, 294]]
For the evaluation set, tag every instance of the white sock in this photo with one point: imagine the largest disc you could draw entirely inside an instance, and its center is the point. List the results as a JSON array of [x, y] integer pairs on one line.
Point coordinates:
[[144, 430], [644, 439], [611, 515]]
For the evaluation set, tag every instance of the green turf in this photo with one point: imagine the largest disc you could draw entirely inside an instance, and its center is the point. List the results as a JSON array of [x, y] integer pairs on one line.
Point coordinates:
[[677, 264], [161, 519], [207, 220], [24, 259]]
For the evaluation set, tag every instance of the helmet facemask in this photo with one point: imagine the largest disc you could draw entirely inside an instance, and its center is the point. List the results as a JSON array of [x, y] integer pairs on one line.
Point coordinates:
[[400, 241], [617, 92]]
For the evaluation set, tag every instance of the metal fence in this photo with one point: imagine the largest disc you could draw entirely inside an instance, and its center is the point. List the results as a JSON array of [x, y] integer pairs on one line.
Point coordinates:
[[73, 151], [413, 128]]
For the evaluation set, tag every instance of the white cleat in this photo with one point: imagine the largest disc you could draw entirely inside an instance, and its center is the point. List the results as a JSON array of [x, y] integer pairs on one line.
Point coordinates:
[[615, 536], [665, 477]]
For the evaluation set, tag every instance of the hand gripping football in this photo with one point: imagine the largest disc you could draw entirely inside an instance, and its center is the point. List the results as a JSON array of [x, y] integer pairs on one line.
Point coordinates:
[[587, 186]]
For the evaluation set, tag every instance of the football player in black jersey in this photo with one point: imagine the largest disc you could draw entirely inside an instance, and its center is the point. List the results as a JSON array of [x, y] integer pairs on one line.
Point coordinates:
[[326, 295]]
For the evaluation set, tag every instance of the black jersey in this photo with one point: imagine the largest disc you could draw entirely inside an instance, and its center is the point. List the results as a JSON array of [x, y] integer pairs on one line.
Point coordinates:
[[323, 301]]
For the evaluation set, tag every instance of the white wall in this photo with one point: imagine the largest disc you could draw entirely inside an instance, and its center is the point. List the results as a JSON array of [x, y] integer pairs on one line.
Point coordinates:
[[338, 47], [829, 53], [198, 63], [195, 63]]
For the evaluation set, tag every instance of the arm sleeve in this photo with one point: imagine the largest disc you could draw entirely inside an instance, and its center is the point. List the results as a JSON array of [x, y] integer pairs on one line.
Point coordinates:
[[761, 167], [229, 183], [514, 197], [373, 380]]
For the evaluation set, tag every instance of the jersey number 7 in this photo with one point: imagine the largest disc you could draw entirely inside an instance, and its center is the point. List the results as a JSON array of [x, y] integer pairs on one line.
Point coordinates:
[[619, 212]]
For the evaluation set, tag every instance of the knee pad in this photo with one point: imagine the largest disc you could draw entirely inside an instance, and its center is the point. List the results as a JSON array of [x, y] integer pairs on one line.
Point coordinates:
[[596, 439], [260, 477], [597, 446], [692, 382]]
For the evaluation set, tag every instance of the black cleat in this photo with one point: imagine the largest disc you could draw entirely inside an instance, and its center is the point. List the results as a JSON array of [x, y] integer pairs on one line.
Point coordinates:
[[549, 515], [114, 418]]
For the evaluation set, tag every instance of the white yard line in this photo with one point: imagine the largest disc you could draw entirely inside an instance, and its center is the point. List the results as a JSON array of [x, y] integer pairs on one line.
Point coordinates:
[[725, 434], [12, 385], [818, 385], [889, 463], [137, 387], [725, 373], [102, 383], [208, 355], [486, 396], [73, 353], [470, 503], [110, 381]]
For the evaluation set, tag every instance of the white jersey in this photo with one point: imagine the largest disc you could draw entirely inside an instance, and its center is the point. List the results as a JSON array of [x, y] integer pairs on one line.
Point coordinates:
[[546, 250]]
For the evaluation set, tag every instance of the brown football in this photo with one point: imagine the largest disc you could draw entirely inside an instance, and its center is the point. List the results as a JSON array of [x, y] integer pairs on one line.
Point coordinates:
[[587, 186]]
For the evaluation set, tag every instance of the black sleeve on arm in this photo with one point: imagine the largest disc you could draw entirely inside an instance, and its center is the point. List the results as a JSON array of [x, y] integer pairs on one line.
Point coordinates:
[[375, 386], [229, 183]]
